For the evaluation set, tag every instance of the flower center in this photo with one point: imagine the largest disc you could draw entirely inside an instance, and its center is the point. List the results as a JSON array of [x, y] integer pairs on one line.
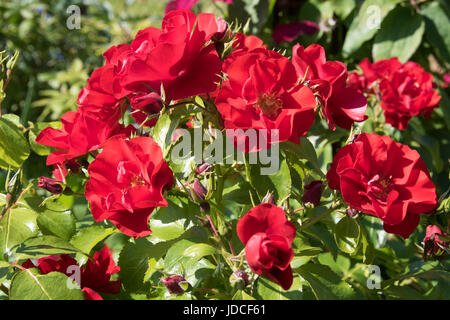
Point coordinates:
[[137, 181], [380, 187], [269, 104]]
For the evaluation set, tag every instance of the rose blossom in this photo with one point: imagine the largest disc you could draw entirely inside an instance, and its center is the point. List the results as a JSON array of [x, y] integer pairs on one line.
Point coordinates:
[[267, 236], [386, 179], [126, 184], [406, 90], [262, 92], [343, 105]]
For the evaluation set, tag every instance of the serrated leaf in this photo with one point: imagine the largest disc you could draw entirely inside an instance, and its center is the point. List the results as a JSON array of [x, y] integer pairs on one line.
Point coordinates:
[[171, 222], [44, 246], [52, 286], [134, 262], [325, 284], [199, 250], [347, 235], [86, 239], [268, 290], [57, 223], [14, 148], [17, 225]]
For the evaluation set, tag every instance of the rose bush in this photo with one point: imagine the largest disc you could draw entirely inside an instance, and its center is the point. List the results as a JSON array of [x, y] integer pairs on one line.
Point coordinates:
[[153, 182]]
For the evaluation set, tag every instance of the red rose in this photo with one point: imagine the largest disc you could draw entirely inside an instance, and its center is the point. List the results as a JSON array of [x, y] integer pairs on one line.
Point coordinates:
[[80, 134], [267, 236], [342, 104], [177, 56], [383, 178], [95, 275], [431, 241], [126, 183], [406, 90], [262, 92]]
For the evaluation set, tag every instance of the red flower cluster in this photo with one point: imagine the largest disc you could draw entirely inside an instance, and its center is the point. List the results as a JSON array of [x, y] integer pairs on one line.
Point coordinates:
[[137, 73], [267, 236], [406, 90], [383, 178], [126, 183], [95, 275]]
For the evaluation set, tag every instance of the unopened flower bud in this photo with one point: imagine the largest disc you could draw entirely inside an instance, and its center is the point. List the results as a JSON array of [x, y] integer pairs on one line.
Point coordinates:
[[50, 185], [202, 168], [205, 207], [223, 33], [312, 192], [268, 198], [14, 185], [199, 191], [175, 284], [352, 212], [240, 277]]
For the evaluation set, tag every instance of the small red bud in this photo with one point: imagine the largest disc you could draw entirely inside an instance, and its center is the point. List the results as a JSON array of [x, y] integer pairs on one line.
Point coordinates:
[[172, 283], [50, 185], [312, 192]]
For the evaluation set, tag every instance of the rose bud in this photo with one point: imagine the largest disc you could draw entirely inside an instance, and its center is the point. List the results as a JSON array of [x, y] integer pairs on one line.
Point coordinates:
[[205, 207], [313, 192], [172, 283], [223, 33], [431, 241], [268, 198], [202, 168], [352, 212], [240, 277], [50, 185], [199, 191]]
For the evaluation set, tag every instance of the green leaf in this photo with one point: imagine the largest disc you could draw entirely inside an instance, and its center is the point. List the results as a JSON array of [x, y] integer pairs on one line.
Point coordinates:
[[437, 28], [399, 39], [44, 246], [4, 270], [279, 182], [347, 235], [305, 150], [52, 286], [325, 284], [86, 239], [241, 295], [193, 269], [366, 24], [16, 226], [199, 250], [57, 223], [256, 10], [134, 262], [170, 222], [163, 131], [14, 148], [34, 132], [268, 290], [343, 8]]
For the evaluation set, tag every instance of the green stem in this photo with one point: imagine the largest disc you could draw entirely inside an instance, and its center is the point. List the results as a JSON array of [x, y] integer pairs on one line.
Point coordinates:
[[317, 218]]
